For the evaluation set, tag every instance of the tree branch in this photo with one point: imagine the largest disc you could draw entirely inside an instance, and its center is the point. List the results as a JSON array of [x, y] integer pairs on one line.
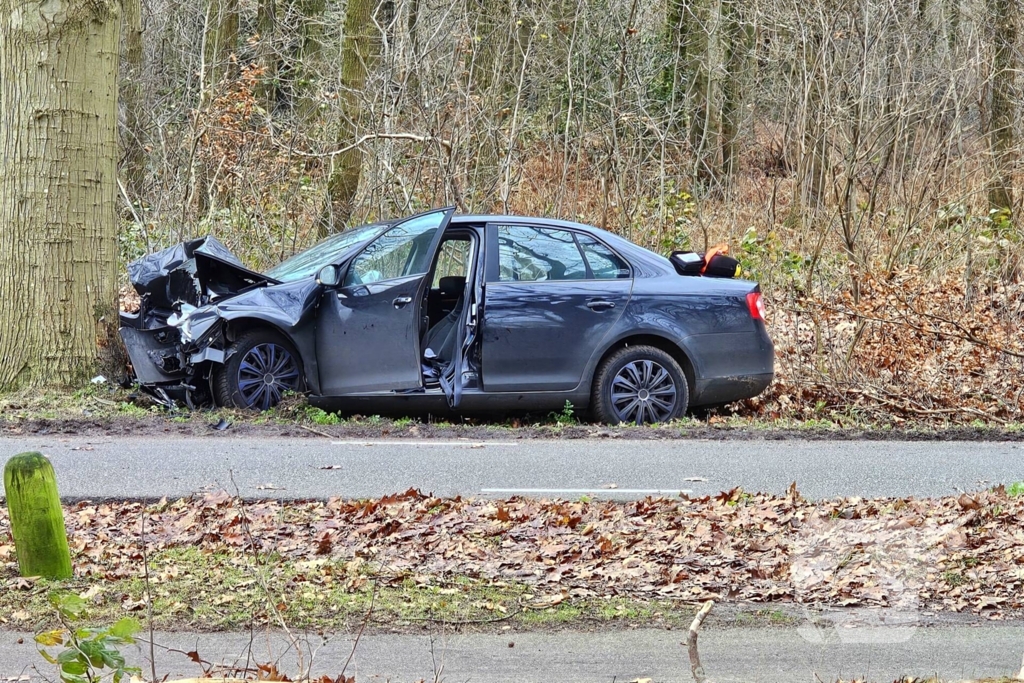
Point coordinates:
[[691, 642]]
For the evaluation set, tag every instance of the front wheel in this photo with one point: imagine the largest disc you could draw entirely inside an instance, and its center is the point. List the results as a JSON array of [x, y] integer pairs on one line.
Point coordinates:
[[261, 366], [639, 384]]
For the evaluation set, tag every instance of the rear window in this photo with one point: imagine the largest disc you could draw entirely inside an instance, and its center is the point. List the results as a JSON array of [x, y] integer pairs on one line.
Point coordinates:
[[605, 264], [527, 254]]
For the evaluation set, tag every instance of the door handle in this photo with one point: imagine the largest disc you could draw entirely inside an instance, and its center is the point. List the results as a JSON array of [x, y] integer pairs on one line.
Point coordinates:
[[600, 305], [402, 301]]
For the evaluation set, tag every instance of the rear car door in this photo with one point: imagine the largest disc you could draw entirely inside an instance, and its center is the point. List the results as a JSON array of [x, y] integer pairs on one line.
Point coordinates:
[[368, 329], [552, 295]]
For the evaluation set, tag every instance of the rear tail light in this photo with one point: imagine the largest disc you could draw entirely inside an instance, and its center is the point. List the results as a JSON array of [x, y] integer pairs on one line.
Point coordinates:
[[756, 305]]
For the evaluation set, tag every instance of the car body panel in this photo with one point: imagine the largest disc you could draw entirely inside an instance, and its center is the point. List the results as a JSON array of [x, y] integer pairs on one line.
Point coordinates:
[[550, 324], [521, 345], [365, 342], [368, 335]]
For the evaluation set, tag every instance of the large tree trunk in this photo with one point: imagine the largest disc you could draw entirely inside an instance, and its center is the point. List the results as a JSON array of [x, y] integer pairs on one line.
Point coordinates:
[[58, 240], [358, 53]]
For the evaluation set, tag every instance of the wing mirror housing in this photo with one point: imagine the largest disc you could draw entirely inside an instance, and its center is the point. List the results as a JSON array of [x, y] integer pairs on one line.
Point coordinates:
[[329, 276]]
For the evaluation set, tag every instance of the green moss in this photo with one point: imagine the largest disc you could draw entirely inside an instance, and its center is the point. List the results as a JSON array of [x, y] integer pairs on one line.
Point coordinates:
[[37, 520]]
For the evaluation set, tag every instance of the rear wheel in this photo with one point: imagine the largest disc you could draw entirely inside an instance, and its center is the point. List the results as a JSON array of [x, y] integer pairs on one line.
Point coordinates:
[[260, 368], [639, 384]]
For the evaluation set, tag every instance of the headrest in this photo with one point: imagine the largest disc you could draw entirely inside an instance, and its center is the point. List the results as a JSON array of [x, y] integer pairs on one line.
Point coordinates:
[[453, 284]]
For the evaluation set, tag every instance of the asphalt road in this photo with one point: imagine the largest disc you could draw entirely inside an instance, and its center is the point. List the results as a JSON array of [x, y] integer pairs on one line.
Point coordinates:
[[748, 655], [151, 467]]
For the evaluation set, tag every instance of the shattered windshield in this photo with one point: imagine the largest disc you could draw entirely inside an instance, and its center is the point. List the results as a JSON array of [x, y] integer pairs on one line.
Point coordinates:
[[310, 261]]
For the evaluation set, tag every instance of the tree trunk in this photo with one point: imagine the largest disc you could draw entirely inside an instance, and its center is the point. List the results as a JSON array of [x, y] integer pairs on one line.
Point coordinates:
[[678, 26], [1003, 105], [814, 161], [953, 25], [58, 235], [308, 60], [221, 42], [133, 134], [412, 24], [738, 36], [266, 54], [704, 107], [357, 54]]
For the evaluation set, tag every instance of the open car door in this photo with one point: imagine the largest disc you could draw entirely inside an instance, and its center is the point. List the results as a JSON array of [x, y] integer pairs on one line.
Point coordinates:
[[453, 375], [368, 327]]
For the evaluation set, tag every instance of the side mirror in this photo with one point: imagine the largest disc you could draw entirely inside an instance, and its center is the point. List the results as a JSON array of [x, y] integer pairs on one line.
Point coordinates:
[[329, 276]]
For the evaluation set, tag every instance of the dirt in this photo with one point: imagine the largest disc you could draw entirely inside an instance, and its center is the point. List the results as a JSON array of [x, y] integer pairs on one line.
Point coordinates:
[[206, 424]]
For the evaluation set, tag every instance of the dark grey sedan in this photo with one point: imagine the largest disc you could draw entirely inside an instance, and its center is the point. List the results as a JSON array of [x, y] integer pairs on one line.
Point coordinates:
[[439, 312]]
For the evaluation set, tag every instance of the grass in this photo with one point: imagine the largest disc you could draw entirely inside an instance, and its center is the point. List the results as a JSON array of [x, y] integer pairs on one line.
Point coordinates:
[[200, 591], [954, 578], [107, 404], [761, 617]]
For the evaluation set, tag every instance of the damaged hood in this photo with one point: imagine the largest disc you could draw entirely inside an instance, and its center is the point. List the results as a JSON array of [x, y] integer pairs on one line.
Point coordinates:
[[192, 273]]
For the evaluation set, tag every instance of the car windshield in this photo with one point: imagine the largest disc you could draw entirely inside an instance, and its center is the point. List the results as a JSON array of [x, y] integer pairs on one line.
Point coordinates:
[[310, 261]]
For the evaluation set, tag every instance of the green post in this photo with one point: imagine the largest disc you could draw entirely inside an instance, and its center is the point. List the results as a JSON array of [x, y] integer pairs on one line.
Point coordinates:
[[37, 521]]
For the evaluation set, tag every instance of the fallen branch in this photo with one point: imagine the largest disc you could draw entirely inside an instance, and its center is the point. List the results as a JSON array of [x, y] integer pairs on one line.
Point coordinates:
[[317, 431], [691, 641]]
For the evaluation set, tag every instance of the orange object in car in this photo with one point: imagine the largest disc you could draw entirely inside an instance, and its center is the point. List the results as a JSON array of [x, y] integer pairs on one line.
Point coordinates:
[[714, 251]]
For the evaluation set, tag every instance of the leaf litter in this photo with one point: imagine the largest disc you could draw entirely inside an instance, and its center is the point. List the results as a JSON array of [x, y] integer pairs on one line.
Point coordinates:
[[960, 553]]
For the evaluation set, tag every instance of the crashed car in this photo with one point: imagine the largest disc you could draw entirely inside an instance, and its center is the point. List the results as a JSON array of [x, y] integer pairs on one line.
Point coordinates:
[[442, 312]]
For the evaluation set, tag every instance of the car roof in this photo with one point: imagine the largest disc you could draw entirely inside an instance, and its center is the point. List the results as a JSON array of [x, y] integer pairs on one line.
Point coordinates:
[[463, 219]]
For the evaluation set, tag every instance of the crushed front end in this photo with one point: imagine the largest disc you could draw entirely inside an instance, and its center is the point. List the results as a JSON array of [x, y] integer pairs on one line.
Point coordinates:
[[176, 336]]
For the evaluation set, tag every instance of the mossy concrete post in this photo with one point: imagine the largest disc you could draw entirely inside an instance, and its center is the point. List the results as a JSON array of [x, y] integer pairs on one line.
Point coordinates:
[[37, 521]]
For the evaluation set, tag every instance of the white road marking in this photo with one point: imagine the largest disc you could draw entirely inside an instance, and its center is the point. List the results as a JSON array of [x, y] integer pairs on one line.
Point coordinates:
[[412, 442], [596, 490]]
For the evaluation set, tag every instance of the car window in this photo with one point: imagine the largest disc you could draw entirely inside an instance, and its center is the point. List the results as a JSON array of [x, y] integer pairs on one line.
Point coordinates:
[[528, 254], [452, 260], [604, 263], [310, 261], [401, 251]]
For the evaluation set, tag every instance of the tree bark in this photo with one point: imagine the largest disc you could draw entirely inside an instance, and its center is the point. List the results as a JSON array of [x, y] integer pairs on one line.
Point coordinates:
[[308, 60], [266, 54], [359, 50], [738, 36], [133, 135], [1004, 102], [704, 106], [58, 239], [221, 42], [814, 161]]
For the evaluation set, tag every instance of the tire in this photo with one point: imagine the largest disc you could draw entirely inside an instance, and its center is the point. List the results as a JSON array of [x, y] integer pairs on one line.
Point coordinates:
[[644, 394], [238, 383]]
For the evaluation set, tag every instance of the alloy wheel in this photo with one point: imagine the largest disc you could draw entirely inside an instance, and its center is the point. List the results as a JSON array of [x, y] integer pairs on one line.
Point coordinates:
[[267, 370], [643, 392]]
